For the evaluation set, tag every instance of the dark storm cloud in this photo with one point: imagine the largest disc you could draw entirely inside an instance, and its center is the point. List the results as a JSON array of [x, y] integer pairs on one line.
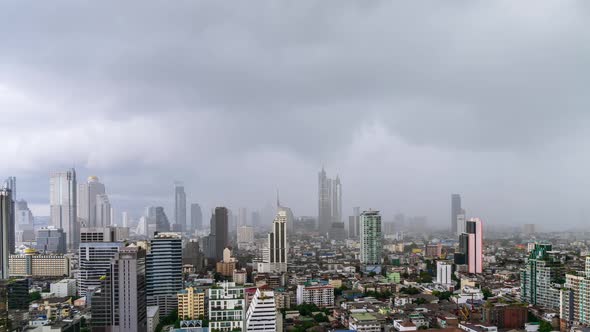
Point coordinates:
[[478, 97]]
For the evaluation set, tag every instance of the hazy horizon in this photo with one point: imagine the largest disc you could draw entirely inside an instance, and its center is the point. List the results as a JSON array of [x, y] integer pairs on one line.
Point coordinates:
[[406, 102]]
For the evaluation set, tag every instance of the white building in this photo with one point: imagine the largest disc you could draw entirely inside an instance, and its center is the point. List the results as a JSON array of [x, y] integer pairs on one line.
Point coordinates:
[[444, 272], [103, 211], [245, 237], [261, 315], [63, 288], [63, 205], [278, 247], [226, 307], [322, 296], [153, 318]]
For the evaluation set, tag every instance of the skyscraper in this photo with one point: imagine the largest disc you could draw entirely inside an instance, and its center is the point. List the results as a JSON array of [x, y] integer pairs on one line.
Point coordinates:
[[94, 259], [474, 254], [371, 239], [226, 307], [461, 222], [277, 243], [5, 219], [354, 223], [87, 201], [160, 219], [329, 202], [62, 200], [219, 229], [543, 269], [103, 211], [124, 219], [196, 217], [455, 210], [51, 240], [164, 272], [180, 206], [575, 302], [10, 184]]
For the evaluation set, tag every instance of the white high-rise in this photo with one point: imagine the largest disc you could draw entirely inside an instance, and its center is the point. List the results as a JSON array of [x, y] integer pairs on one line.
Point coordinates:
[[62, 201], [103, 211], [277, 243], [261, 315], [180, 206], [371, 238], [444, 271], [87, 199]]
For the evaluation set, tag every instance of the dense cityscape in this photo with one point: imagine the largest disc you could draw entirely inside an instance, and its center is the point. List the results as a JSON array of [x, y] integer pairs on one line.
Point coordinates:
[[84, 269]]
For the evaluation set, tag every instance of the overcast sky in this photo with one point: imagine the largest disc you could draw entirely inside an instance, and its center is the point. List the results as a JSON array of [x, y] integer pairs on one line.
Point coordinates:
[[408, 102]]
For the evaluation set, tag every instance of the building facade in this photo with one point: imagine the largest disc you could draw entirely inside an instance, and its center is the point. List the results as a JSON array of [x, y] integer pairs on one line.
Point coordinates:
[[226, 307], [94, 259], [51, 240], [164, 272], [540, 277], [322, 296], [5, 230], [180, 207], [371, 238], [196, 217], [455, 211], [31, 264], [63, 205], [191, 303], [262, 312]]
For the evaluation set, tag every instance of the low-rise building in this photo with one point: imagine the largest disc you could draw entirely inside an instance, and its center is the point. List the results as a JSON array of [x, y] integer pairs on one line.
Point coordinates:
[[322, 296], [364, 322], [31, 264], [191, 303], [153, 318], [63, 288]]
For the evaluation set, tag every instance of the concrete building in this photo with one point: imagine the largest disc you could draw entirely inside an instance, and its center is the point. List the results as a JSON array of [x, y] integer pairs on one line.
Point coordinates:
[[239, 276], [322, 296], [153, 318], [164, 272], [278, 244], [226, 307], [364, 322], [191, 303], [104, 234], [245, 237], [10, 187], [262, 312], [371, 239], [528, 229], [444, 271], [51, 240], [196, 217], [63, 205], [219, 231], [329, 202], [103, 211], [471, 246], [87, 202], [227, 266], [455, 211], [180, 207], [63, 288], [32, 264], [575, 298], [191, 255]]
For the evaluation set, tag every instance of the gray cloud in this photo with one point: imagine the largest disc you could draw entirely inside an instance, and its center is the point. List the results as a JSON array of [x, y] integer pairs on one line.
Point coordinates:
[[409, 102]]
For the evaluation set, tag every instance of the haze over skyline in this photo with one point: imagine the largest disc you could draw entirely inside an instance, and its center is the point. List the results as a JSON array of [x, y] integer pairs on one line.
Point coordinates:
[[406, 102]]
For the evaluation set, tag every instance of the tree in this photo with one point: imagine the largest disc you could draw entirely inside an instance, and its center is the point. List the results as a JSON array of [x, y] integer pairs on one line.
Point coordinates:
[[319, 318], [34, 296], [487, 293], [420, 300], [545, 327]]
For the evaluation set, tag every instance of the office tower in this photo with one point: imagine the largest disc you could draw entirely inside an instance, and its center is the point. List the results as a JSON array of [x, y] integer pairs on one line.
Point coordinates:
[[455, 210], [528, 229], [103, 211], [278, 243], [5, 220], [191, 255], [87, 201], [370, 238], [119, 303], [51, 240], [261, 314], [543, 269], [164, 271], [226, 307], [471, 245], [18, 294], [354, 223], [320, 295], [23, 216], [104, 234], [336, 199], [124, 219], [461, 223], [444, 270], [329, 202], [94, 259], [196, 217], [219, 230], [157, 219], [242, 217], [337, 231], [5, 324], [575, 302], [62, 200], [245, 237], [191, 303], [180, 205], [10, 184]]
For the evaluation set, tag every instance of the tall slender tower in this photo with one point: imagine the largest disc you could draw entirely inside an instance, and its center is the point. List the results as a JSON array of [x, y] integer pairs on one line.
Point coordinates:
[[196, 217], [219, 228], [324, 203], [63, 208], [164, 272], [103, 211], [371, 238], [5, 216], [474, 229], [10, 184], [455, 211], [180, 206], [277, 243]]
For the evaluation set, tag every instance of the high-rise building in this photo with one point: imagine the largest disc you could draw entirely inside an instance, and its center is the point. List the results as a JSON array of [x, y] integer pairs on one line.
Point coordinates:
[[471, 244], [10, 185], [245, 237], [219, 229], [191, 303], [574, 298], [338, 231], [226, 307], [336, 191], [180, 206], [354, 223], [255, 218], [191, 255], [157, 217], [278, 244], [24, 217], [544, 268], [103, 211], [196, 217], [370, 238], [444, 270], [94, 259], [528, 229], [5, 220], [164, 271], [124, 219], [329, 202], [461, 223], [87, 201], [51, 240], [63, 200], [261, 314], [120, 303], [455, 210]]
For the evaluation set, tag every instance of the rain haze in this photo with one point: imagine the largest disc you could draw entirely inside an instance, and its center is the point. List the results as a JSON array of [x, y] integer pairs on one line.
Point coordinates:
[[408, 102]]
